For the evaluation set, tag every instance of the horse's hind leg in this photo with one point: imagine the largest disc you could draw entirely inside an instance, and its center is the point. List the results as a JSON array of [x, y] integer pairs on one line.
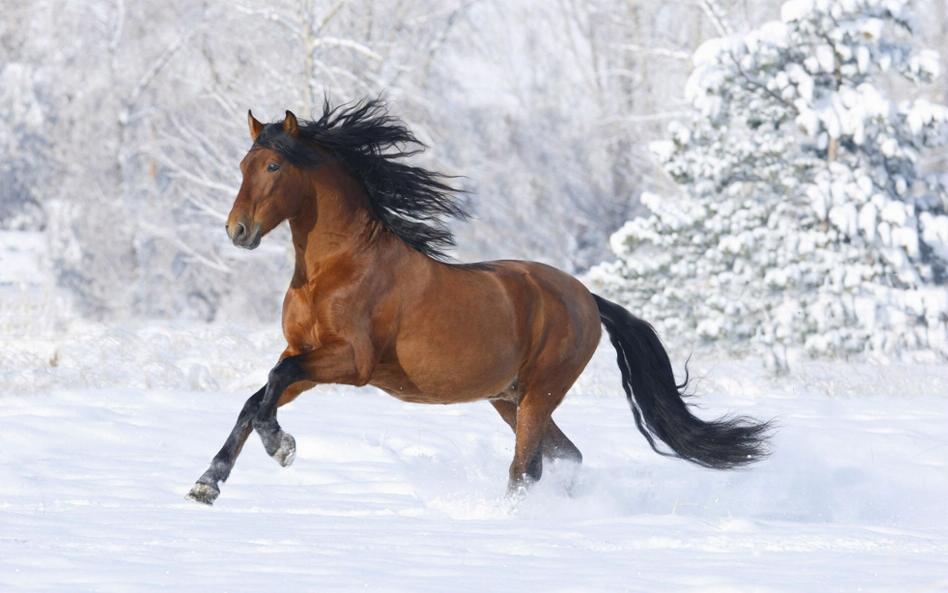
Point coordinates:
[[508, 411], [533, 420], [555, 444]]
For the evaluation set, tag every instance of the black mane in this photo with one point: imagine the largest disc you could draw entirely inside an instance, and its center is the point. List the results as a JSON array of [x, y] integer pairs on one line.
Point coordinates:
[[407, 200]]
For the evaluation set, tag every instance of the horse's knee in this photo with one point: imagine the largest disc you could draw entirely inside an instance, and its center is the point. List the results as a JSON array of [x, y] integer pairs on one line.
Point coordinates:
[[284, 373]]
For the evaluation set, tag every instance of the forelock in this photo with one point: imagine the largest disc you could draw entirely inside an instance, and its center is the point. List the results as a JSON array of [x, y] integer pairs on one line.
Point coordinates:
[[293, 150]]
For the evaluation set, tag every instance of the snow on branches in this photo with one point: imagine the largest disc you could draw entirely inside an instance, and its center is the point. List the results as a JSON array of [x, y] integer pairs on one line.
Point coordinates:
[[805, 217]]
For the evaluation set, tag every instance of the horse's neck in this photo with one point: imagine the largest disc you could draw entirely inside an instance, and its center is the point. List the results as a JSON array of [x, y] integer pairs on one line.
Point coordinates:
[[336, 229]]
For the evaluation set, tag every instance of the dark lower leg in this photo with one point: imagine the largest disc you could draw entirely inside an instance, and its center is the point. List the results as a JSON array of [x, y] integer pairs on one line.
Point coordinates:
[[278, 444], [270, 433], [207, 487], [557, 445]]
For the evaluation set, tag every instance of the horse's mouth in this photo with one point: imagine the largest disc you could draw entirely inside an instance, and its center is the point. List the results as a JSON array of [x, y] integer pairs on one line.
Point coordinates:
[[255, 241], [252, 241]]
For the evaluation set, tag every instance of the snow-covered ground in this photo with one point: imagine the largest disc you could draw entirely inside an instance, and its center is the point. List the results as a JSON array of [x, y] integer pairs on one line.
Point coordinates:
[[103, 429]]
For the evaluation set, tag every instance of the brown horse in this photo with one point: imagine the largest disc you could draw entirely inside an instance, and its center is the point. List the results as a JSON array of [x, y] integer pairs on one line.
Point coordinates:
[[372, 302]]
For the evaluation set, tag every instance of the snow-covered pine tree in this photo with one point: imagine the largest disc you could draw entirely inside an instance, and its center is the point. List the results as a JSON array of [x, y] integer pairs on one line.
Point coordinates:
[[804, 218]]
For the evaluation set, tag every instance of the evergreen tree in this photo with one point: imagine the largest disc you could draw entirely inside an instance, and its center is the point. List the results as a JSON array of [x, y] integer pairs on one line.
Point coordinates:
[[804, 218]]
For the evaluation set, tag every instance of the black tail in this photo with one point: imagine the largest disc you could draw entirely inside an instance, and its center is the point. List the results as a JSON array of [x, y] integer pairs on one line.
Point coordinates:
[[657, 403]]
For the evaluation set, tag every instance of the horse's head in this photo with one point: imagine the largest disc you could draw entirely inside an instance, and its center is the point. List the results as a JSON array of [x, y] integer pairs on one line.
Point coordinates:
[[273, 187], [346, 170]]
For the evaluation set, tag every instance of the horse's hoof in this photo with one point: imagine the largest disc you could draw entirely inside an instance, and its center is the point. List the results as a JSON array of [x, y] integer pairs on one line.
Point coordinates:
[[517, 489], [286, 453], [204, 493]]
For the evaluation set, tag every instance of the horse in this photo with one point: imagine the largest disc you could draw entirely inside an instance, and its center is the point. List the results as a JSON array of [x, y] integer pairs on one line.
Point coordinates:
[[375, 301]]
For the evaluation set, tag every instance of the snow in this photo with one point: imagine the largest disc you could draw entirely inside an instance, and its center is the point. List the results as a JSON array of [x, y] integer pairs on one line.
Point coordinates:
[[106, 426], [795, 10], [388, 496], [21, 252]]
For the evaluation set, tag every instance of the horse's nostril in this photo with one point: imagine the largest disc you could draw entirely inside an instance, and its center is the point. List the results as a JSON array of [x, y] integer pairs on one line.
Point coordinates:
[[239, 231]]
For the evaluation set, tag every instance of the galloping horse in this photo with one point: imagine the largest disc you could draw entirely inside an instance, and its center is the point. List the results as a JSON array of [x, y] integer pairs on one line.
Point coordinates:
[[373, 302]]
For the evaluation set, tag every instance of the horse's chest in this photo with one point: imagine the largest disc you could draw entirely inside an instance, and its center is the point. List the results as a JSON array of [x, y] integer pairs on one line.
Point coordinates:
[[300, 325]]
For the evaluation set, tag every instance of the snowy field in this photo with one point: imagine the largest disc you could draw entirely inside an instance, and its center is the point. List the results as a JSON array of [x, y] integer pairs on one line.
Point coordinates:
[[103, 429]]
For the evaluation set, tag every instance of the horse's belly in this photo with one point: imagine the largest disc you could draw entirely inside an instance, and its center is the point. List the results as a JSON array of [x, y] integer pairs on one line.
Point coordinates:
[[461, 341], [439, 378]]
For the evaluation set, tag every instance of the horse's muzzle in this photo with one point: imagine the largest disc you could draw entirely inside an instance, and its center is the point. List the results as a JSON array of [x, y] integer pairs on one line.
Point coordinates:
[[243, 235]]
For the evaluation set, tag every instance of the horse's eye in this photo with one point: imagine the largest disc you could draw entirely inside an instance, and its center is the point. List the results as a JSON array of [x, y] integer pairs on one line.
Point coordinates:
[[273, 167]]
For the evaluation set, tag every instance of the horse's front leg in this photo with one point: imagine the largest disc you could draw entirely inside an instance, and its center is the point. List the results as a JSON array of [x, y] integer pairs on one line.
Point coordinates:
[[207, 488], [279, 444], [337, 362]]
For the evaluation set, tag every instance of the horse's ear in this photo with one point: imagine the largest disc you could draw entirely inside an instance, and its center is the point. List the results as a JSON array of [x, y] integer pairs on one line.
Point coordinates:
[[255, 126], [290, 126]]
